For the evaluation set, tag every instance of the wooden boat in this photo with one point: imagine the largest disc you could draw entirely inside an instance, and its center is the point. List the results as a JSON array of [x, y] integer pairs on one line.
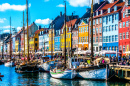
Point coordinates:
[[9, 64], [87, 71], [45, 66], [63, 74]]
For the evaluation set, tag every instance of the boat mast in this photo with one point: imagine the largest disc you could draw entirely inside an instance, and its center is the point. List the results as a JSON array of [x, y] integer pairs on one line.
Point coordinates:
[[92, 30], [52, 40], [27, 30], [65, 36], [10, 38], [71, 33], [24, 35]]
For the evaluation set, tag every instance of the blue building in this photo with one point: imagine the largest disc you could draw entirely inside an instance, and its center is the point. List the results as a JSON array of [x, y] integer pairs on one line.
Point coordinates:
[[13, 43], [57, 41], [110, 25]]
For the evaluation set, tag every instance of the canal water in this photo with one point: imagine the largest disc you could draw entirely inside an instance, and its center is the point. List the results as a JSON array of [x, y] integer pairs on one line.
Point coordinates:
[[11, 78]]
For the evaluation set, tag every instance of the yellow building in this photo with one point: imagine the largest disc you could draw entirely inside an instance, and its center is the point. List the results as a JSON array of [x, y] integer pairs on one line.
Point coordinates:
[[34, 41], [83, 35], [68, 35], [51, 38]]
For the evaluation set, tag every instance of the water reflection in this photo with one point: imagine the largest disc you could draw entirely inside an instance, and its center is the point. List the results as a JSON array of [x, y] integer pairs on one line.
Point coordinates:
[[11, 78]]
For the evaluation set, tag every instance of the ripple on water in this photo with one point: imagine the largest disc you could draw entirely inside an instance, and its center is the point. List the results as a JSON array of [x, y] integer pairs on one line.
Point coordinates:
[[11, 78]]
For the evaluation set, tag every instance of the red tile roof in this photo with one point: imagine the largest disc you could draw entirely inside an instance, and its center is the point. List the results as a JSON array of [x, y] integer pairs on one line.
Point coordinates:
[[121, 4], [39, 30], [109, 5], [71, 22]]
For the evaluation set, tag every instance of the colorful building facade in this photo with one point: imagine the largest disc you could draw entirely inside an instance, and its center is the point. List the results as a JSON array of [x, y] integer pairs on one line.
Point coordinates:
[[124, 31]]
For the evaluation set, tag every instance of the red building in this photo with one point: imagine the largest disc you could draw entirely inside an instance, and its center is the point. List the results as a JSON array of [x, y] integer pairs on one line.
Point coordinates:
[[124, 30]]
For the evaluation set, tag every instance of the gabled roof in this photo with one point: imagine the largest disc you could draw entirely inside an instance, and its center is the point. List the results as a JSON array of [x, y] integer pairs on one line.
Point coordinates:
[[121, 4], [109, 5], [71, 22], [39, 30]]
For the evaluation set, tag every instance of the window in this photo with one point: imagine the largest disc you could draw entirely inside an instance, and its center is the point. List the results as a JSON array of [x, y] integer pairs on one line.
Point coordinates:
[[93, 22], [120, 47], [96, 21], [90, 31], [97, 13], [100, 31], [97, 30], [96, 39], [112, 27], [127, 24], [120, 36], [116, 38], [79, 39], [81, 29], [123, 48], [112, 38], [123, 15], [120, 25], [93, 39], [100, 39], [85, 39], [109, 18], [116, 27], [85, 29], [100, 20], [35, 44], [107, 29], [69, 28], [35, 39], [106, 38], [115, 16], [101, 12], [62, 30], [109, 48], [94, 31], [104, 29], [123, 35], [109, 38], [106, 19], [112, 18], [112, 48], [115, 8], [127, 35], [123, 24]]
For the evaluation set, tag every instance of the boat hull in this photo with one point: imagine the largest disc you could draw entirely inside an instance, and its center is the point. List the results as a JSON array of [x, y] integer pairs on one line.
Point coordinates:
[[67, 74], [9, 64], [97, 74]]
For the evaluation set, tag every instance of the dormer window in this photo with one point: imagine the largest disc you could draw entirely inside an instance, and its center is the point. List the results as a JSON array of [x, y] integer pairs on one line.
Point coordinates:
[[115, 8], [108, 10], [97, 13], [101, 12]]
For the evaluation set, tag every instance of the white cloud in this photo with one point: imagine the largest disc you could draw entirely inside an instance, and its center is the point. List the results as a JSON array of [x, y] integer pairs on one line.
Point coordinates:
[[6, 31], [46, 0], [79, 3], [7, 6], [6, 27], [2, 20], [60, 5], [43, 21], [19, 28]]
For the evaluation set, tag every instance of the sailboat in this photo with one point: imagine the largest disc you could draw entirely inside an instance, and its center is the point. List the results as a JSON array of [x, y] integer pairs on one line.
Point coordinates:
[[61, 71], [27, 67], [10, 63], [96, 72]]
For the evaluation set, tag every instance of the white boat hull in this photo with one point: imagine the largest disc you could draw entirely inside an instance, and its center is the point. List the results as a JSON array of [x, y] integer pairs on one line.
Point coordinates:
[[67, 74], [9, 64], [101, 74]]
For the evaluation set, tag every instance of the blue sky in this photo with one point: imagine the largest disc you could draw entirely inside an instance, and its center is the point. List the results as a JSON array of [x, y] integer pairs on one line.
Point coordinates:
[[40, 11]]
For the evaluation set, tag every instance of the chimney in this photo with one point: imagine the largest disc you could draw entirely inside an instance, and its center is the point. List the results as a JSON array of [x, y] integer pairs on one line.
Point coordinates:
[[60, 14], [39, 27]]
